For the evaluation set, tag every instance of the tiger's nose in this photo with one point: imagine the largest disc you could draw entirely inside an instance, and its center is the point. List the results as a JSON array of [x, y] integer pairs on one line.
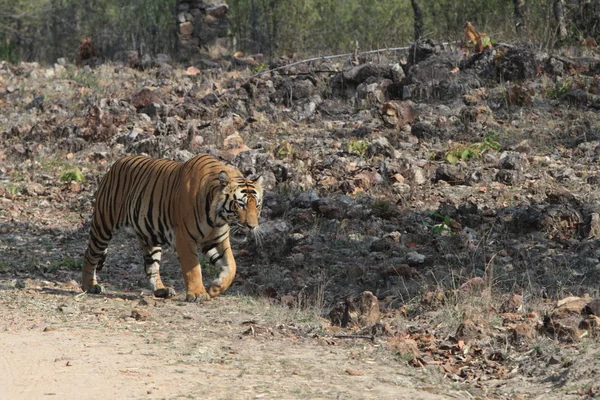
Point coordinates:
[[251, 224]]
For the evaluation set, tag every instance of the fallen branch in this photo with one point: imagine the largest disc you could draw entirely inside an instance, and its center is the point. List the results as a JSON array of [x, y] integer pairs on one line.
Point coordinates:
[[369, 337], [406, 48]]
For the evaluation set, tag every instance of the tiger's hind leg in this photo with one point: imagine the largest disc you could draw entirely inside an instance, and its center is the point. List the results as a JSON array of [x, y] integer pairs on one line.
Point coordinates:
[[152, 257], [93, 260]]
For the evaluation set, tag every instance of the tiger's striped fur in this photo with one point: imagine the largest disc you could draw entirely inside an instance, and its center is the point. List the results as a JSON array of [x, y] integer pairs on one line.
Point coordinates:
[[188, 204]]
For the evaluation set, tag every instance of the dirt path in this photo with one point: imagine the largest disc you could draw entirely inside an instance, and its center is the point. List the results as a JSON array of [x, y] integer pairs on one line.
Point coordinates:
[[56, 345]]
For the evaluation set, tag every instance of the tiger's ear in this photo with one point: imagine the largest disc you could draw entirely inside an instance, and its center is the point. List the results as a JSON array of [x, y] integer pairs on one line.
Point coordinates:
[[258, 181], [224, 178]]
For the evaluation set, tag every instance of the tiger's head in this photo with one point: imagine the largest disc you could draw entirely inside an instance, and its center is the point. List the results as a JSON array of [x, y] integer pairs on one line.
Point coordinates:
[[241, 200]]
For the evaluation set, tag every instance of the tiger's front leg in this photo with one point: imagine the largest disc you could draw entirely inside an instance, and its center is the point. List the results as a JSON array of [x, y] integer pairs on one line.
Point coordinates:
[[221, 257], [190, 268]]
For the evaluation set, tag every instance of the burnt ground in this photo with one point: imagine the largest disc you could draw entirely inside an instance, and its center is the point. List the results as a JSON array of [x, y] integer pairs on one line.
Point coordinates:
[[460, 190]]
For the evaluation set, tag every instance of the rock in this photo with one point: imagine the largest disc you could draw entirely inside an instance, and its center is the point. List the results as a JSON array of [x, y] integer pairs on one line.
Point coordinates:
[[591, 324], [513, 160], [468, 331], [522, 334], [144, 98], [362, 310], [366, 179], [563, 322], [72, 144], [591, 226], [418, 175], [381, 146], [592, 308], [354, 372], [405, 347], [290, 90], [518, 64], [233, 141], [563, 219], [513, 304], [397, 178], [37, 102], [424, 130], [139, 314], [413, 258], [437, 77], [380, 245], [34, 189], [192, 71], [20, 284], [423, 49], [451, 174], [329, 208], [305, 199], [554, 360], [509, 177], [186, 28], [217, 11], [361, 73], [397, 114]]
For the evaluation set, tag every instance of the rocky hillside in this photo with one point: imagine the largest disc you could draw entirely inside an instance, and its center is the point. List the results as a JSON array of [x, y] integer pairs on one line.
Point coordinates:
[[424, 178]]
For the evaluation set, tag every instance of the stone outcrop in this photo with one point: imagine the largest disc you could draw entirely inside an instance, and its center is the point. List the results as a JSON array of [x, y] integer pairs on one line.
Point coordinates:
[[203, 31]]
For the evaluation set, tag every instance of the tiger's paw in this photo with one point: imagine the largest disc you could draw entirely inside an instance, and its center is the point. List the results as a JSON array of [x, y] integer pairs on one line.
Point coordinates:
[[197, 297], [214, 290], [94, 289], [165, 293]]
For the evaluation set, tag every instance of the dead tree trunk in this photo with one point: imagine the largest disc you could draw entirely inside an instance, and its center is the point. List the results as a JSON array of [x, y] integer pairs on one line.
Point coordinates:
[[519, 6], [559, 15], [418, 11]]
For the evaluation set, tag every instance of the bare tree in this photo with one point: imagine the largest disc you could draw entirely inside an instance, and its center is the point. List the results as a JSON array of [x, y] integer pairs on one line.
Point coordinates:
[[519, 6], [559, 15], [418, 11]]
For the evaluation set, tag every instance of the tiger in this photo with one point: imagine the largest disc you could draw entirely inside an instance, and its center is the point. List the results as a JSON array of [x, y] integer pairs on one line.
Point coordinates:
[[188, 204]]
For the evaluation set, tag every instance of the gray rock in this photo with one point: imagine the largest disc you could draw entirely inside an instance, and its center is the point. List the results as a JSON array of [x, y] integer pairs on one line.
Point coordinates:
[[305, 199], [413, 258]]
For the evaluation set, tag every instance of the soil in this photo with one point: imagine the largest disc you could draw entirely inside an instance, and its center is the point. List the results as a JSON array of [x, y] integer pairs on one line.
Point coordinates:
[[59, 344]]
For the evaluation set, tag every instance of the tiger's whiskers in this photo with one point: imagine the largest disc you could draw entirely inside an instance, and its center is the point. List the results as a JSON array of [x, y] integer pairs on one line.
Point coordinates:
[[258, 235]]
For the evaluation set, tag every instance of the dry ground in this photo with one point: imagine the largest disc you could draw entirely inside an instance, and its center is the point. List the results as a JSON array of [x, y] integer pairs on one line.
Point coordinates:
[[60, 344]]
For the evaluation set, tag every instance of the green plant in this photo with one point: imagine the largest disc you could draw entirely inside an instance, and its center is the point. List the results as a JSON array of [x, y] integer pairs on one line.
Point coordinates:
[[73, 174], [208, 268], [258, 68], [383, 208], [560, 89], [81, 77], [440, 227], [14, 189], [8, 51], [67, 263], [284, 150], [359, 146], [473, 150]]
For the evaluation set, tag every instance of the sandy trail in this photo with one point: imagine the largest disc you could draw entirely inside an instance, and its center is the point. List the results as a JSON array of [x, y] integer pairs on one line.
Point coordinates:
[[95, 350]]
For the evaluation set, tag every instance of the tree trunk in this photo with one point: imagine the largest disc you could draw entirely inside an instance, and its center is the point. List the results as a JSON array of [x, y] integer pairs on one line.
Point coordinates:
[[254, 29], [519, 6], [418, 11], [559, 15]]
